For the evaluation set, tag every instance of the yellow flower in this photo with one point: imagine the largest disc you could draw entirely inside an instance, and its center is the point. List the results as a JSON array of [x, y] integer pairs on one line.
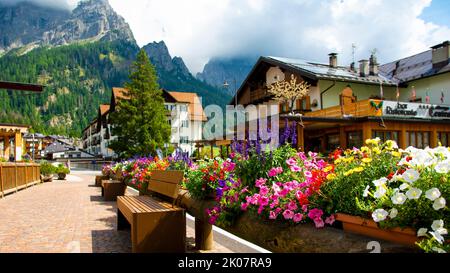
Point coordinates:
[[348, 173], [365, 149], [327, 169], [396, 154], [358, 169], [348, 159], [367, 160], [376, 150], [337, 161], [331, 176]]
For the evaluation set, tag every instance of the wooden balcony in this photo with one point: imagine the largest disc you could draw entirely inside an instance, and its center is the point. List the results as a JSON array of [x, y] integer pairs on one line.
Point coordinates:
[[357, 109]]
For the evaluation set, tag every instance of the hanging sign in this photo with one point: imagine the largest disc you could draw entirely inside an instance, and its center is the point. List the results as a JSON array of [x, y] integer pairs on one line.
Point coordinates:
[[415, 110]]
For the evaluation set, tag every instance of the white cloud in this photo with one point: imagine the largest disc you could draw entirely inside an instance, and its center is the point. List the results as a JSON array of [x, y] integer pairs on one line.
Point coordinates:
[[201, 29]]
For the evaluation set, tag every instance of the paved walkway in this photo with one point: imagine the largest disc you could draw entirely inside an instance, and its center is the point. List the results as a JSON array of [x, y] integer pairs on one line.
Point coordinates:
[[65, 217]]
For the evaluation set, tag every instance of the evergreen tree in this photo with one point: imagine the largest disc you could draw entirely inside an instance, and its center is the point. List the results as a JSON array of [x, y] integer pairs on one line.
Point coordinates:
[[140, 121]]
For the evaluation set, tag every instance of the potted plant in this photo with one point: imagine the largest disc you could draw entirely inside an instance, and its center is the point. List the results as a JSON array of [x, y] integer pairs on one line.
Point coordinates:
[[47, 171], [62, 172]]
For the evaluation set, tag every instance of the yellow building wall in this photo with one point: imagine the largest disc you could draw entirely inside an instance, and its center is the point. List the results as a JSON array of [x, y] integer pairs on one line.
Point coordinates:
[[434, 85]]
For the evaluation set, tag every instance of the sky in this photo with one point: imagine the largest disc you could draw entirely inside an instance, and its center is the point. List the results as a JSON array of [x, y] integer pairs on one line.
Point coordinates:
[[198, 30]]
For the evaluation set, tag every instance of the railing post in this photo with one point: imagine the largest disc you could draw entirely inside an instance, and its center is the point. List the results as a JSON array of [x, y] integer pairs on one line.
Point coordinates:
[[1, 179], [16, 174]]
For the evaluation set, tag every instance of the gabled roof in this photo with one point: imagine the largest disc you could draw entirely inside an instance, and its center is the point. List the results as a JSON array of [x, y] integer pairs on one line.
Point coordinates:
[[412, 68], [318, 71], [119, 93], [196, 112], [104, 108]]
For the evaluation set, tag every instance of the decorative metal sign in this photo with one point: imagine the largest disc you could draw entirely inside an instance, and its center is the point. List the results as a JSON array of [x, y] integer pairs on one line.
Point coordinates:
[[415, 110]]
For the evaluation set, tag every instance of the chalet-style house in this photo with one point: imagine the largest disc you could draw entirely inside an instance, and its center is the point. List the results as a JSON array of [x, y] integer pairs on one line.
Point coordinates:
[[404, 100], [184, 113]]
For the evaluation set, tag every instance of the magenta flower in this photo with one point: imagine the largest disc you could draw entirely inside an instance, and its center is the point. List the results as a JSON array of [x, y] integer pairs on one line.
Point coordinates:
[[273, 215], [298, 217], [305, 208], [288, 214], [315, 214], [263, 201], [319, 223], [330, 220], [273, 173], [260, 182], [295, 168], [292, 206], [244, 206], [308, 174], [260, 209], [291, 161], [264, 190]]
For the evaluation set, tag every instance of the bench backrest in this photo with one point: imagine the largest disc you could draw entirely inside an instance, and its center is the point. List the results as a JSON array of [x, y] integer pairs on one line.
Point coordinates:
[[166, 183]]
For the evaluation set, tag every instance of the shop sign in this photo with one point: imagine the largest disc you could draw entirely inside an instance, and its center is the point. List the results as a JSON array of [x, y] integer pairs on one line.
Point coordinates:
[[415, 110]]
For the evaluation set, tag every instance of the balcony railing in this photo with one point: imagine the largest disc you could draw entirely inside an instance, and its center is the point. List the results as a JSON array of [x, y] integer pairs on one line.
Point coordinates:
[[358, 109]]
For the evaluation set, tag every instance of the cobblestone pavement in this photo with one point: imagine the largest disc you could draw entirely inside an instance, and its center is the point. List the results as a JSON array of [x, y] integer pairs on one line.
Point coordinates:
[[65, 217]]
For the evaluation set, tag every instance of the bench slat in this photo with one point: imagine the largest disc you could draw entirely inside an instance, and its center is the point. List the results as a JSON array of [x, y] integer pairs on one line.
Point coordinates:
[[166, 182]]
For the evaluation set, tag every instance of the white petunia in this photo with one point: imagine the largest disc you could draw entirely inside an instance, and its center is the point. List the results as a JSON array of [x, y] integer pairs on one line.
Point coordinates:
[[437, 236], [379, 215], [443, 167], [437, 224], [380, 182], [414, 193], [438, 250], [366, 191], [439, 203], [422, 232], [433, 194], [411, 175], [393, 213], [381, 191], [404, 186], [398, 198]]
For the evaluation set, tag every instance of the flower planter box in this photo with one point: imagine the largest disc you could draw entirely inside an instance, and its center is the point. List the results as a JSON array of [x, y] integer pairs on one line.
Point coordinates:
[[367, 227], [61, 176], [99, 179], [47, 178]]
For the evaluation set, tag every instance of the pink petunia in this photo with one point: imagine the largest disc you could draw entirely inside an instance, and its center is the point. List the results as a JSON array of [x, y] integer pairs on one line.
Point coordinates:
[[291, 161], [264, 190], [260, 209], [315, 214], [305, 208], [295, 169], [244, 206], [260, 182], [263, 201], [292, 206], [273, 215], [298, 217], [308, 174], [319, 223], [288, 214], [273, 173], [330, 220]]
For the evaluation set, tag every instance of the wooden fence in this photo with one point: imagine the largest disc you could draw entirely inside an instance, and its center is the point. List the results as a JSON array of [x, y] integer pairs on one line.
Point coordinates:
[[17, 176]]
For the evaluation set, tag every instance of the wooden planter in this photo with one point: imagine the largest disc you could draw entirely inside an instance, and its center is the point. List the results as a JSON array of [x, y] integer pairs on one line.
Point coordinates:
[[99, 179], [62, 176], [47, 178], [367, 227]]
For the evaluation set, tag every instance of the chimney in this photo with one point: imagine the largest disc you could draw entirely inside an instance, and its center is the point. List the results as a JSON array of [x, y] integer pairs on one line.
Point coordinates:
[[364, 68], [373, 64], [352, 67], [333, 59], [441, 55]]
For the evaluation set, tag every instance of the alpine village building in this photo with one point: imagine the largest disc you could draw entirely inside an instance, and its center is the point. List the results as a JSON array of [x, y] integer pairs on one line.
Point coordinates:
[[404, 100], [184, 113]]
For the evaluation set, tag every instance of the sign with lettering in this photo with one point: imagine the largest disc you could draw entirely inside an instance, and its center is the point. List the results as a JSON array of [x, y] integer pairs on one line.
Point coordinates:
[[415, 110]]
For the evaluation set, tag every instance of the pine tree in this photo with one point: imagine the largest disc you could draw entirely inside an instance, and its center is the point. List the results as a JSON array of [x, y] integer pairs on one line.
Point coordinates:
[[140, 121]]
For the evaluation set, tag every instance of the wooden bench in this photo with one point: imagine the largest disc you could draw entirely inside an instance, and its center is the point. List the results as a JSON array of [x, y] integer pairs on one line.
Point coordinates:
[[99, 179], [157, 225], [111, 189]]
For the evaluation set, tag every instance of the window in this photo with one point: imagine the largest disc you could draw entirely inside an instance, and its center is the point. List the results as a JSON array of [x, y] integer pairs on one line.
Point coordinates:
[[354, 139], [386, 135], [418, 140], [444, 138], [185, 124], [183, 108], [333, 142], [184, 140], [169, 121]]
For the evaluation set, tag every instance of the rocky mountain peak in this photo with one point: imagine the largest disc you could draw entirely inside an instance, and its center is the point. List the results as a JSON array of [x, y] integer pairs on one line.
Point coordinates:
[[161, 58], [28, 25]]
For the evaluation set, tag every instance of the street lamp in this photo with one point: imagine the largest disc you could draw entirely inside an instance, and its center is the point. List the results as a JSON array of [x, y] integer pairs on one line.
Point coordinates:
[[226, 85]]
